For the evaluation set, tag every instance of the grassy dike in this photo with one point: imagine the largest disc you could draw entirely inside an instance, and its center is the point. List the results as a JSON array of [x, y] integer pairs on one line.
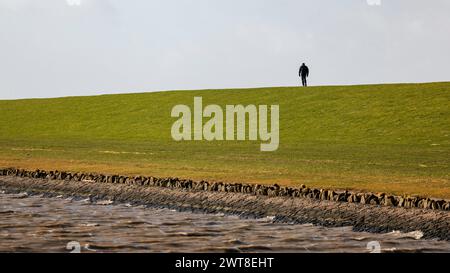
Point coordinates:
[[389, 138]]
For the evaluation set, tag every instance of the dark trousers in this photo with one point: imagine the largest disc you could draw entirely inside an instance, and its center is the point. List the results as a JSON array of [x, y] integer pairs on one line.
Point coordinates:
[[304, 82]]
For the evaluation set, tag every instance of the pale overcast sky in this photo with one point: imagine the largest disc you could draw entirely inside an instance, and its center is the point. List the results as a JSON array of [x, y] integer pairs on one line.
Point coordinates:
[[52, 48]]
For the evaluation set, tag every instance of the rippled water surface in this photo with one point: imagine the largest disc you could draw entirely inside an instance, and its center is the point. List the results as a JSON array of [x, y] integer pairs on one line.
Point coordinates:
[[37, 224]]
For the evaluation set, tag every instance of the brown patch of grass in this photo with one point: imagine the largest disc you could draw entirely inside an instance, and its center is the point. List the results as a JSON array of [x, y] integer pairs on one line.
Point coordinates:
[[394, 184]]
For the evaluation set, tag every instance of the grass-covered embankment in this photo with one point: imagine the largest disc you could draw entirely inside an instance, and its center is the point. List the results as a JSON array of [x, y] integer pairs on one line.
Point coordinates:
[[391, 138]]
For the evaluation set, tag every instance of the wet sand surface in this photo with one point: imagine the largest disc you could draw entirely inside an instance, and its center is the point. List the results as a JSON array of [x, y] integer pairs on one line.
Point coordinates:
[[42, 224]]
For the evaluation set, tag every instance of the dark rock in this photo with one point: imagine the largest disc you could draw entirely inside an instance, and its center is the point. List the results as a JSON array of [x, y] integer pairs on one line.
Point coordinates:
[[323, 195], [273, 190], [389, 200]]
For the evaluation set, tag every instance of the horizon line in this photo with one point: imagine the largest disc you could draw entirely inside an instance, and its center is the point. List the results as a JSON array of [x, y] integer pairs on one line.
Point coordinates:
[[222, 89]]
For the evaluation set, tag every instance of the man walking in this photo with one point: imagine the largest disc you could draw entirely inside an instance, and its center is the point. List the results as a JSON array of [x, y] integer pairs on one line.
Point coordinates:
[[304, 73]]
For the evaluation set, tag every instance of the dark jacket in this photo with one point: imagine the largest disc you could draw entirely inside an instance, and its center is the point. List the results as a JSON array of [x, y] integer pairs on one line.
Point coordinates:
[[304, 71]]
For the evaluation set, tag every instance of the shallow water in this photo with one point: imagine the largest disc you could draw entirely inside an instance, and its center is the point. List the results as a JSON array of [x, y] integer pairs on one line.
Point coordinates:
[[37, 224]]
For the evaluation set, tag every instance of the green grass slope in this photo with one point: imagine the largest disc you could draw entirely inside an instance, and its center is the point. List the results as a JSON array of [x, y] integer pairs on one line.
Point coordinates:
[[393, 138]]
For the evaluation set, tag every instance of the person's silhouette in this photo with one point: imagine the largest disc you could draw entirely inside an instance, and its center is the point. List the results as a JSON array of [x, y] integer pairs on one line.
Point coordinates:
[[304, 73]]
